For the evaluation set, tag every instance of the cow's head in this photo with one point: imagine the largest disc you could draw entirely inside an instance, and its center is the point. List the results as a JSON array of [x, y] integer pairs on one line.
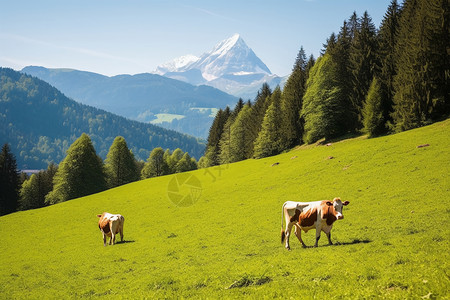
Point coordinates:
[[338, 205]]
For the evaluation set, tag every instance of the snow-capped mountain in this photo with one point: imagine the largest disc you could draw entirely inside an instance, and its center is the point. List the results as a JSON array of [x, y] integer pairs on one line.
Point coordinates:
[[176, 64], [230, 66]]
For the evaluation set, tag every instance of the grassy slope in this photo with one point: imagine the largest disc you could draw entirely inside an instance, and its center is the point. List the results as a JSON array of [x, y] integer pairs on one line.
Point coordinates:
[[393, 242]]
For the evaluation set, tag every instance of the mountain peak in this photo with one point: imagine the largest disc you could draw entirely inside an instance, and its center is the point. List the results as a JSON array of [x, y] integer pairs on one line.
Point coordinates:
[[226, 45], [230, 57]]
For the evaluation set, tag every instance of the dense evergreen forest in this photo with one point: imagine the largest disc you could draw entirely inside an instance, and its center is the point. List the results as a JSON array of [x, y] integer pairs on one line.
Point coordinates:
[[40, 123], [366, 80]]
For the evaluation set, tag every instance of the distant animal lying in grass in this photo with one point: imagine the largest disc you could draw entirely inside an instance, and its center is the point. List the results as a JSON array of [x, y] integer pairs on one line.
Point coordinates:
[[308, 215], [110, 225]]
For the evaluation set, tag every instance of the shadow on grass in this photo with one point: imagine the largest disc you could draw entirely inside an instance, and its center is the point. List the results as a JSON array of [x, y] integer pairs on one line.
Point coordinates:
[[355, 241], [125, 242]]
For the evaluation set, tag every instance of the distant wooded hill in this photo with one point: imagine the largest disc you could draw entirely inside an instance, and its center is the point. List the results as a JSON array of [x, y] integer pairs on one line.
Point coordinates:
[[142, 97], [40, 123]]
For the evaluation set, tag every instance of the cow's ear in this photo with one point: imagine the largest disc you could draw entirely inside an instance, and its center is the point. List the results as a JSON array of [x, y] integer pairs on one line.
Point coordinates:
[[346, 203], [329, 203], [99, 216]]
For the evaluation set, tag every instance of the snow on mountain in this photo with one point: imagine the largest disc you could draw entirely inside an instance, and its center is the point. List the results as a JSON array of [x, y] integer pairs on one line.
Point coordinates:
[[230, 66], [229, 56], [176, 64]]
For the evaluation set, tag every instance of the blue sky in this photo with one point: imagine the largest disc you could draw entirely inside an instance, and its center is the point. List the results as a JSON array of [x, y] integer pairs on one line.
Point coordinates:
[[128, 37]]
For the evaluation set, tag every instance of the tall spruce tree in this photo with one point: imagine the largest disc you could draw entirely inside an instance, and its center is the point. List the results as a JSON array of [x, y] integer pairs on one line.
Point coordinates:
[[309, 65], [387, 39], [292, 98], [323, 108], [258, 111], [9, 181], [80, 174], [241, 138], [269, 140], [340, 54], [120, 164], [422, 81], [330, 43], [224, 144], [215, 133], [372, 112], [362, 64]]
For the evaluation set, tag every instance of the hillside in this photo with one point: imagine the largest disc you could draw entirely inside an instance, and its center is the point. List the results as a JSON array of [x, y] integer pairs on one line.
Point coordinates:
[[40, 123], [392, 243], [141, 97]]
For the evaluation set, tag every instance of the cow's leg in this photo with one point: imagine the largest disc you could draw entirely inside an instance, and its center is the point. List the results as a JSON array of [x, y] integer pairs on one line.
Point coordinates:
[[288, 233], [298, 233], [318, 230], [113, 234], [329, 237], [104, 238], [121, 229]]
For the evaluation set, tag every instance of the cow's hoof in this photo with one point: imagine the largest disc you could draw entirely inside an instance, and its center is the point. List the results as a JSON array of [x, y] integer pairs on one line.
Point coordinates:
[[304, 246], [288, 248]]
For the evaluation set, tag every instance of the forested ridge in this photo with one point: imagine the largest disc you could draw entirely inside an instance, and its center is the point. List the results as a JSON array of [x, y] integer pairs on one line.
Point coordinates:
[[367, 80], [40, 123]]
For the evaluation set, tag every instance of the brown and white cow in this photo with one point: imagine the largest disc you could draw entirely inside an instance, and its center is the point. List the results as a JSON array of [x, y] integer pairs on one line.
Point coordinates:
[[308, 215], [110, 225]]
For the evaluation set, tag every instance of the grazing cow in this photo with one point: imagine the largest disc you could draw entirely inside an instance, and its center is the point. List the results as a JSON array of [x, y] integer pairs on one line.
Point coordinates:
[[308, 215], [110, 225]]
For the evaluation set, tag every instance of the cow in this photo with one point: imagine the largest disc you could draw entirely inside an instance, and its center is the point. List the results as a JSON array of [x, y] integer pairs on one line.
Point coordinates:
[[308, 215], [110, 225]]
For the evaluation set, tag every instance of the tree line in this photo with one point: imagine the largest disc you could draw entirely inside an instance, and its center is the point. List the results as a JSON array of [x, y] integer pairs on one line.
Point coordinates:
[[82, 173], [366, 80]]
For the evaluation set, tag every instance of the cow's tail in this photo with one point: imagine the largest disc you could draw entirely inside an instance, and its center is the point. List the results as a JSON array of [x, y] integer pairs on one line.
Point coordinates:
[[283, 234]]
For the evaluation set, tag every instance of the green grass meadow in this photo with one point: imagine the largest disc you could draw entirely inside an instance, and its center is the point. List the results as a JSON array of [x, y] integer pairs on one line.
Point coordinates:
[[392, 243]]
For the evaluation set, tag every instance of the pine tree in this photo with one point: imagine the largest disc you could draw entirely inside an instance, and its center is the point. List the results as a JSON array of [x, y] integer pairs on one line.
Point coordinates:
[[340, 54], [238, 107], [241, 139], [258, 111], [353, 25], [269, 140], [373, 120], [330, 43], [224, 144], [362, 64], [292, 100], [120, 164], [387, 37], [309, 65], [215, 133], [9, 181], [80, 174], [323, 108], [155, 165], [422, 81]]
